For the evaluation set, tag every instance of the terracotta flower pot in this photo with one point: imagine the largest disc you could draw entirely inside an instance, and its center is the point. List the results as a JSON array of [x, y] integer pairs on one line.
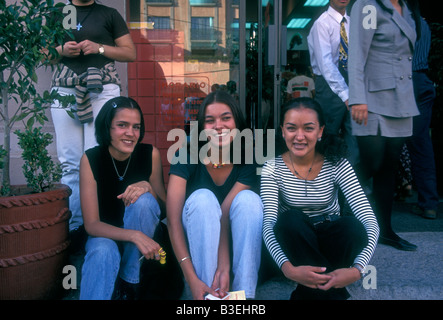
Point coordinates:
[[34, 236]]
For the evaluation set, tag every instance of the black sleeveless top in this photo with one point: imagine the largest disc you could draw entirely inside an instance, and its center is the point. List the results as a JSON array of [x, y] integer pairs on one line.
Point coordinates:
[[109, 186]]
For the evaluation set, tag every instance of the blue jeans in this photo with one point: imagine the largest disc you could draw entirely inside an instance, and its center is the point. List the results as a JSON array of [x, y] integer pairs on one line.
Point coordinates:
[[103, 260], [420, 144], [73, 139], [201, 221]]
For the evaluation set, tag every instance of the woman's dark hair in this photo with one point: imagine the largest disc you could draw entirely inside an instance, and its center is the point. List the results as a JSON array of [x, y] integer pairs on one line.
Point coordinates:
[[107, 114], [330, 146], [414, 7]]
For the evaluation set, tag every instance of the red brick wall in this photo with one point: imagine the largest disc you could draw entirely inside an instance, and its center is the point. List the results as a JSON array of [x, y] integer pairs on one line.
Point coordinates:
[[159, 55]]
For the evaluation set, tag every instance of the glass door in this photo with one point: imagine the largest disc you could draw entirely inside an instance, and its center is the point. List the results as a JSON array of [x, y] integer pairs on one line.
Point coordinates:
[[259, 72], [276, 52], [265, 55]]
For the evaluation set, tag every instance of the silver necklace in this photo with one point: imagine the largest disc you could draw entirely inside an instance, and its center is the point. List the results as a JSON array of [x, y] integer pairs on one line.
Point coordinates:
[[120, 178], [298, 174]]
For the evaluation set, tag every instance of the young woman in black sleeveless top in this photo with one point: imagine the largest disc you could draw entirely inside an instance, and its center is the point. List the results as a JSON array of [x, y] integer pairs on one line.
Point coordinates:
[[121, 190]]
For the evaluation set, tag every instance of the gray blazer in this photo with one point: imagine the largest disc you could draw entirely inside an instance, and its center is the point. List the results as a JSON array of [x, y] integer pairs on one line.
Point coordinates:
[[380, 59]]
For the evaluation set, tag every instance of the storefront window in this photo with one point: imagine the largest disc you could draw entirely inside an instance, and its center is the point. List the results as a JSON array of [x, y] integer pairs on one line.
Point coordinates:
[[185, 49]]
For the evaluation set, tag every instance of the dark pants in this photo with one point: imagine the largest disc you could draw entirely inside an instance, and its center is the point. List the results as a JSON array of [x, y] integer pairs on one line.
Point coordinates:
[[337, 117], [332, 245], [379, 159], [420, 144]]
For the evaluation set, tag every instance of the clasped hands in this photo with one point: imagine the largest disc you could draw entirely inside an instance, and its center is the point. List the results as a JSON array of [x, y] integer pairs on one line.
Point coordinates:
[[72, 49], [314, 277], [219, 287]]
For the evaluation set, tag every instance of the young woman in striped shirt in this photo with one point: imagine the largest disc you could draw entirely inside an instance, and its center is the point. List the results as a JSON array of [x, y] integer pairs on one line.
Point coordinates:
[[303, 229]]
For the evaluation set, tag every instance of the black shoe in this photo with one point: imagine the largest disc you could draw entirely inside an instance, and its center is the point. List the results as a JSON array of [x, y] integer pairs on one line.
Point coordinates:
[[398, 243], [429, 214], [425, 213], [78, 239]]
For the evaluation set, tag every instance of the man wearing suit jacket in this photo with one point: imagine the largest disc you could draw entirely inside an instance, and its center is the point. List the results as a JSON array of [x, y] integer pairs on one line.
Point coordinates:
[[330, 81], [381, 97]]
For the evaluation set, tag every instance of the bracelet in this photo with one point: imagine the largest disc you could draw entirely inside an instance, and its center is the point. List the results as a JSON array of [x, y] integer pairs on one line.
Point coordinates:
[[185, 258], [359, 268]]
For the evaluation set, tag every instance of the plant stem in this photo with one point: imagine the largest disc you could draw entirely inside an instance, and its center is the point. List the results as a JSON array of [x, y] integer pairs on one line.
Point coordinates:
[[6, 137]]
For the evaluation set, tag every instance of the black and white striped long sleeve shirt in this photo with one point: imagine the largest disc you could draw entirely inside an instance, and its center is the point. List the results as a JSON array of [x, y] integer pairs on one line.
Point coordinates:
[[281, 191]]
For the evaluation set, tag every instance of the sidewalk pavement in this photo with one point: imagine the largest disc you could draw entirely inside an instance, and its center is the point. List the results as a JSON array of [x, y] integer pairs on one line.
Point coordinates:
[[398, 275]]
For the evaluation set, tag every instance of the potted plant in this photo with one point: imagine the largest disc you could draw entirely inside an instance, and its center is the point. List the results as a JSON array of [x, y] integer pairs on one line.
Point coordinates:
[[33, 219]]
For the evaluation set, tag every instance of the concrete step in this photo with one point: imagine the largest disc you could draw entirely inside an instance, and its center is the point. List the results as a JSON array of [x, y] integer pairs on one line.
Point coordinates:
[[399, 275]]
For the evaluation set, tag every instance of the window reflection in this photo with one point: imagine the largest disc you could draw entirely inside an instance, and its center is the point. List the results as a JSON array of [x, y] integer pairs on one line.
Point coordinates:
[[186, 48]]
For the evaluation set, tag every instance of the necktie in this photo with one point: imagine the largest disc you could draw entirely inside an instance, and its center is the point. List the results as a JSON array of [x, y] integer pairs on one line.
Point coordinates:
[[343, 56]]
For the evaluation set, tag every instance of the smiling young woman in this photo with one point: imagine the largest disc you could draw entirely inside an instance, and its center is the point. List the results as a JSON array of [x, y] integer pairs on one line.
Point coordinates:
[[301, 130], [125, 133], [121, 191], [302, 226], [213, 209], [219, 123]]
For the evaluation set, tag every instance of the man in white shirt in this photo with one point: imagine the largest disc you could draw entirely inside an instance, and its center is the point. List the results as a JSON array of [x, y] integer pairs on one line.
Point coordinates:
[[301, 85], [331, 88]]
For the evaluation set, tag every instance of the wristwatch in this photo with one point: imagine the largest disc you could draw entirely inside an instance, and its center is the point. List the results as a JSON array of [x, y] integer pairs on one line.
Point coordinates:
[[101, 49], [359, 268]]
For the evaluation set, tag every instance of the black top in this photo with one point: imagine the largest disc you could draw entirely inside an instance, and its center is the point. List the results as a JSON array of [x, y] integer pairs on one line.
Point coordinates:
[[100, 24], [109, 187], [198, 177]]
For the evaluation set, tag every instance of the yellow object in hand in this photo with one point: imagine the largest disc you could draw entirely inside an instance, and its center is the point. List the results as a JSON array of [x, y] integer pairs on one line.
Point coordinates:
[[162, 256]]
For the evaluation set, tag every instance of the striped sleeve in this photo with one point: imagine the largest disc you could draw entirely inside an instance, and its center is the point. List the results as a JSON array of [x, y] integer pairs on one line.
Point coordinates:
[[359, 204], [269, 192]]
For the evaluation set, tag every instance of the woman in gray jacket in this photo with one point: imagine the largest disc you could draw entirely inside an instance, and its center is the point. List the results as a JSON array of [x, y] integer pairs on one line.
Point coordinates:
[[381, 97]]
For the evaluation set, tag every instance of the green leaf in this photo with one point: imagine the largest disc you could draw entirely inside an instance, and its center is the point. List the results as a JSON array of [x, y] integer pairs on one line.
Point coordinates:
[[30, 122], [33, 76]]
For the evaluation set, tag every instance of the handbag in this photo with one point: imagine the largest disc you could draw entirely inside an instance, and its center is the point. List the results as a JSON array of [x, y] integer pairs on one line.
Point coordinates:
[[161, 281]]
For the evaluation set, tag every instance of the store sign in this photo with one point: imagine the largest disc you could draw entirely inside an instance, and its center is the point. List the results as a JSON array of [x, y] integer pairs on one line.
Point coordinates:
[[181, 99]]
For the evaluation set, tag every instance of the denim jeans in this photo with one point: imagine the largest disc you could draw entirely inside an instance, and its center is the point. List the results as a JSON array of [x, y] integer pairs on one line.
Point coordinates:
[[103, 259], [201, 221], [73, 139]]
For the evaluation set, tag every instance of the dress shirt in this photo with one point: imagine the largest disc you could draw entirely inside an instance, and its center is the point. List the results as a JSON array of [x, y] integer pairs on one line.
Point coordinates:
[[324, 47]]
